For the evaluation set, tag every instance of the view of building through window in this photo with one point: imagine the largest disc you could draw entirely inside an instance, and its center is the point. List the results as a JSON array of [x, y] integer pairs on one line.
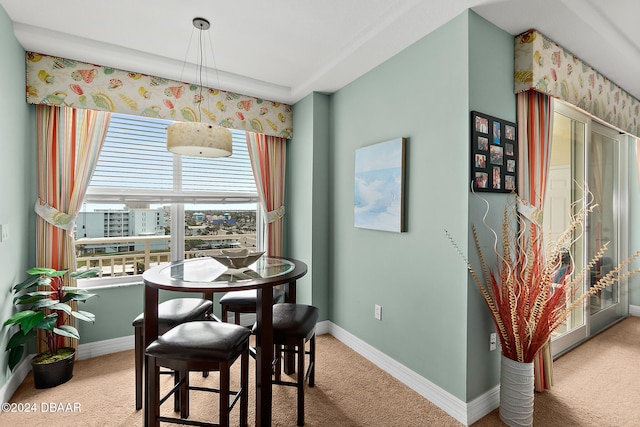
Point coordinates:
[[220, 223], [125, 225], [127, 239]]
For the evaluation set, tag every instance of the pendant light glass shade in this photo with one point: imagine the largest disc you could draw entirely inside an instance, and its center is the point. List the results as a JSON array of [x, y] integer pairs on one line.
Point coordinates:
[[199, 139], [196, 138]]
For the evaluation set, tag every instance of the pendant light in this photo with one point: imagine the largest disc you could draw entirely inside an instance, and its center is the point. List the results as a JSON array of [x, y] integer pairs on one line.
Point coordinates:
[[196, 138]]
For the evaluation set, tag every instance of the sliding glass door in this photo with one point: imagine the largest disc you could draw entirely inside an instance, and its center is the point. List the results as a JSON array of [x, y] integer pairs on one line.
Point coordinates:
[[585, 152], [604, 225], [566, 168]]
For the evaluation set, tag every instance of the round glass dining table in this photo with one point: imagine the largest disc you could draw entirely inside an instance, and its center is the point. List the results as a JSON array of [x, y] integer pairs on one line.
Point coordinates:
[[208, 276]]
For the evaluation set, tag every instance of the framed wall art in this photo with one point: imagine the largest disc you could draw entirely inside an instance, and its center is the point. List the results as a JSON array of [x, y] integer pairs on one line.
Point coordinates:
[[379, 186], [494, 165]]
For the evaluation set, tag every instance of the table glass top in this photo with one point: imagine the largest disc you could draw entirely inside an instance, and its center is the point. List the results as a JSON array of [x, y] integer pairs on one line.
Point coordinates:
[[207, 269]]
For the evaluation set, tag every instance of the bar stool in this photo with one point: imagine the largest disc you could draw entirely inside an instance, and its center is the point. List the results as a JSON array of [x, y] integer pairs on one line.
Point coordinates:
[[244, 302], [170, 314], [203, 346], [293, 326]]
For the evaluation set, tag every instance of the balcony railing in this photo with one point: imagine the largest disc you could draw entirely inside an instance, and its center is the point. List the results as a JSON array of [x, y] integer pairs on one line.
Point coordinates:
[[127, 263]]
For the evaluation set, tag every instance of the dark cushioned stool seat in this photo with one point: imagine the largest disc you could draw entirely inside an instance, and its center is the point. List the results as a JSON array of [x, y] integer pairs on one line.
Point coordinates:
[[176, 311], [293, 320], [203, 346], [170, 314], [244, 302], [200, 342], [293, 326]]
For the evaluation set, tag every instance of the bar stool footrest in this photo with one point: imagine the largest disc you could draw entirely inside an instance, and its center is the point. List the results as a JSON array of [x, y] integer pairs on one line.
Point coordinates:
[[306, 377], [171, 392], [236, 397], [187, 422], [236, 394]]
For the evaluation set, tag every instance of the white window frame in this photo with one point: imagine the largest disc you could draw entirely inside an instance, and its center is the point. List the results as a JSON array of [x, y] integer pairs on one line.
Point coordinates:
[[177, 200]]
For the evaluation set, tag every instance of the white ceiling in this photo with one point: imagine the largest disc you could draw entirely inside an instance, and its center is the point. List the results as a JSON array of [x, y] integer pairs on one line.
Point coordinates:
[[284, 49]]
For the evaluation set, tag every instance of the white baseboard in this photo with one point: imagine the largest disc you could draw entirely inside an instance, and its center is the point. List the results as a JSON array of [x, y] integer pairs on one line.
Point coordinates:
[[100, 348], [482, 405], [19, 374], [466, 413], [324, 327], [634, 310]]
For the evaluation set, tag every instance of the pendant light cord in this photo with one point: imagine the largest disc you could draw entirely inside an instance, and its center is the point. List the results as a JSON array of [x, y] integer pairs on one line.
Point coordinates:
[[200, 66]]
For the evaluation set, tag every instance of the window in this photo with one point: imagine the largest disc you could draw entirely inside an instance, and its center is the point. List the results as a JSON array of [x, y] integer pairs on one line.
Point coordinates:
[[146, 206]]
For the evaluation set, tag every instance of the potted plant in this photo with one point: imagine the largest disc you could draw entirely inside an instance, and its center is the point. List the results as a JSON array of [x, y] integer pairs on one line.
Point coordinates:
[[530, 293], [48, 305]]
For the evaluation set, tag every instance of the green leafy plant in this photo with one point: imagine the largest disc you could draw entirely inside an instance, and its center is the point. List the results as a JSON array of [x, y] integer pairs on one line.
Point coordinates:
[[48, 305]]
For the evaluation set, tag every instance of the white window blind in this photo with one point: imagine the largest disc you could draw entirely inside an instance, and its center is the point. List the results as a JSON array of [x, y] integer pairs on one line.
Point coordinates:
[[135, 166]]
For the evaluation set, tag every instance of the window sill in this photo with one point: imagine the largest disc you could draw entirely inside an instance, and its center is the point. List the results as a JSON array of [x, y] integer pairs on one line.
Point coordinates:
[[110, 283]]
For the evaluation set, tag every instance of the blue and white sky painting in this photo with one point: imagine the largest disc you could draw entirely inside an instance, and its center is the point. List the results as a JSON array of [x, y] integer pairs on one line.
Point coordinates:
[[378, 186]]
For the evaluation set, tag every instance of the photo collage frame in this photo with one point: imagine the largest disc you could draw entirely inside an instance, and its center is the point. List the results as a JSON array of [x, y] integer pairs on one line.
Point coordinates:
[[494, 154]]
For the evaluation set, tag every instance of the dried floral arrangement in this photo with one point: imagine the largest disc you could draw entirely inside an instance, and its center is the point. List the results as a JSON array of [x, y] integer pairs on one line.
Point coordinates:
[[529, 293]]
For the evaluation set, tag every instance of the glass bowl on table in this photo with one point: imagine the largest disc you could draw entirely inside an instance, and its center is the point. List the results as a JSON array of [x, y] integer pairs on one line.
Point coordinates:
[[237, 262], [237, 258]]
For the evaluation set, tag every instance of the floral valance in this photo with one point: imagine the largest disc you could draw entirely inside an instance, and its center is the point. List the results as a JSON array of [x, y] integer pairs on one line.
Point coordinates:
[[543, 65], [58, 81]]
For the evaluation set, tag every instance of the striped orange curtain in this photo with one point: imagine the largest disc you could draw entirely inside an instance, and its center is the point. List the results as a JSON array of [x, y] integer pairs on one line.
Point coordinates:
[[268, 159], [69, 142], [535, 124]]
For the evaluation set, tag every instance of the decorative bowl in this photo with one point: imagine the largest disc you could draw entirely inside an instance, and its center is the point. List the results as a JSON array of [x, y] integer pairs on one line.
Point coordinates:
[[237, 258]]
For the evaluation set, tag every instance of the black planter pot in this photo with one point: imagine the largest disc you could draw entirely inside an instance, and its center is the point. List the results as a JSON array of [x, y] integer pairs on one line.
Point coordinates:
[[53, 374]]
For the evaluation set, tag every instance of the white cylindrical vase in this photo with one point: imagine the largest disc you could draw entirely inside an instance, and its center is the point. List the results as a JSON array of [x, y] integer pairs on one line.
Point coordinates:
[[516, 392]]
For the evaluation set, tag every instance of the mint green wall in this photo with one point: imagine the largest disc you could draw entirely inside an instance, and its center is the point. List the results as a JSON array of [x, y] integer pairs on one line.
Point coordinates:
[[434, 321], [491, 92], [116, 307], [308, 170], [420, 94], [634, 220], [17, 176]]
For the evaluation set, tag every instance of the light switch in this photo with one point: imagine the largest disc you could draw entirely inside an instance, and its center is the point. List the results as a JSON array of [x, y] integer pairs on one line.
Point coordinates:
[[4, 232]]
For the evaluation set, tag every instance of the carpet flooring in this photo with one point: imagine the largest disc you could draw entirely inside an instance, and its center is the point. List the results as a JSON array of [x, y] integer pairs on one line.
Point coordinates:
[[597, 384]]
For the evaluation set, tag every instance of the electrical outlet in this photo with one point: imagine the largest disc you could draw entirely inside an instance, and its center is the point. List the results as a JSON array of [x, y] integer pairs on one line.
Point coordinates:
[[377, 313], [493, 342], [4, 232]]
